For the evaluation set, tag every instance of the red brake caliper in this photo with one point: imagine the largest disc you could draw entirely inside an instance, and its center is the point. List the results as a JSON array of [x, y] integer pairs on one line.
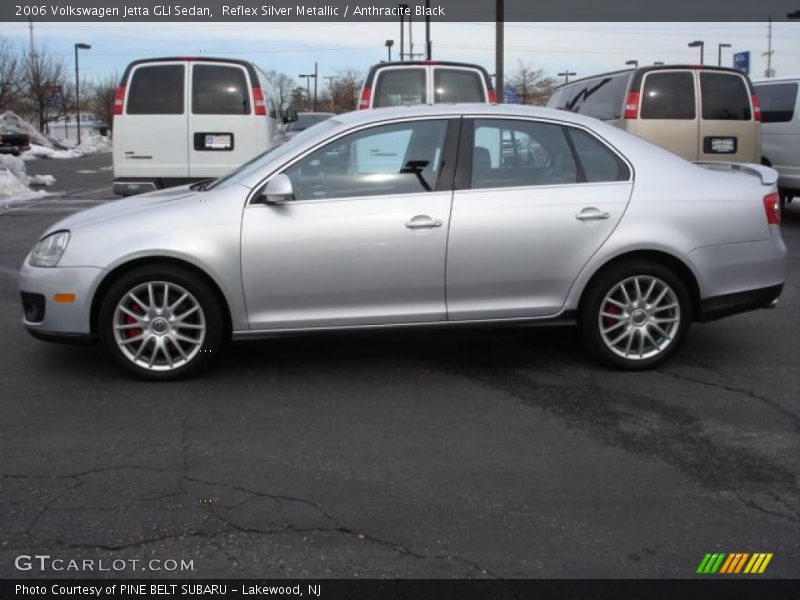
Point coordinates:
[[129, 320], [611, 309]]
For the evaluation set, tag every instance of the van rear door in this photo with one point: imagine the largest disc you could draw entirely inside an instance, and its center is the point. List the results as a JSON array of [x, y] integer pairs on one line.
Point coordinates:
[[728, 130], [150, 136], [222, 119], [400, 86], [458, 84]]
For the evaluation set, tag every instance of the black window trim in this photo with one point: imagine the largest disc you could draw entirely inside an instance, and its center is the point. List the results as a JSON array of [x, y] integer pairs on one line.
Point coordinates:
[[463, 179]]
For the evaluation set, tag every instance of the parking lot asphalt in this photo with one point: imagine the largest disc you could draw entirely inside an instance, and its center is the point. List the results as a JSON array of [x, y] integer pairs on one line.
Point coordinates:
[[400, 454]]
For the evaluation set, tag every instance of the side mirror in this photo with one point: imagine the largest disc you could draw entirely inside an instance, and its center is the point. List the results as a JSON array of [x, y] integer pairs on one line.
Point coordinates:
[[278, 190], [290, 116]]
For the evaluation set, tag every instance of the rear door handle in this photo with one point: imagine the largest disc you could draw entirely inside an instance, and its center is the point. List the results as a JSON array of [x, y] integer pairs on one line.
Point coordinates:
[[592, 214], [423, 222]]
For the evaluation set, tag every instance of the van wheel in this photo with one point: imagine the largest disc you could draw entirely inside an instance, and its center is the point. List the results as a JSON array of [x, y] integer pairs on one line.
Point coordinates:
[[635, 315], [162, 323]]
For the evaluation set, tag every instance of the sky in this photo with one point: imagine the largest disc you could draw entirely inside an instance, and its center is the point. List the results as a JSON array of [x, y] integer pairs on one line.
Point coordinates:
[[292, 48]]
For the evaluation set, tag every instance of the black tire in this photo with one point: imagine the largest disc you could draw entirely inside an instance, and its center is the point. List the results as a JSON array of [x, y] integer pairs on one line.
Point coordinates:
[[591, 322], [195, 357]]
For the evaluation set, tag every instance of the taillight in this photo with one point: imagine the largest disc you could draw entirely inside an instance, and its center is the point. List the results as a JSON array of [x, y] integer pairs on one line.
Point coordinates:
[[756, 108], [366, 96], [632, 106], [119, 99], [258, 101], [772, 206], [492, 97]]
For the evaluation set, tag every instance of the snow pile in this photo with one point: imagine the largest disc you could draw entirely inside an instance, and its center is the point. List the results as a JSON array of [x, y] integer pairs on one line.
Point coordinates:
[[38, 151], [15, 181], [13, 123], [94, 143]]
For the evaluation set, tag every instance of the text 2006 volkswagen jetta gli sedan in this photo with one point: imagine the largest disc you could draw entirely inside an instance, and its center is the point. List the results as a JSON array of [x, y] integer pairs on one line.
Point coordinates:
[[419, 216]]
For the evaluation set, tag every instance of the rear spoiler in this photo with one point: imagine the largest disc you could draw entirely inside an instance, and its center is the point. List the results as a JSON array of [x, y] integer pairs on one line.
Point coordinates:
[[768, 175]]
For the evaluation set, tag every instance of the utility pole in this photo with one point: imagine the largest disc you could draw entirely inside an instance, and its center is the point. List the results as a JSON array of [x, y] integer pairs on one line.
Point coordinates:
[[402, 8], [499, 48], [566, 75], [316, 76], [768, 73], [330, 79]]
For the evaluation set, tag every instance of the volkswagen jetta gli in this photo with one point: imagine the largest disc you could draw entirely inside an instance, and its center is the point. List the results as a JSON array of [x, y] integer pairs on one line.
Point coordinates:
[[418, 216]]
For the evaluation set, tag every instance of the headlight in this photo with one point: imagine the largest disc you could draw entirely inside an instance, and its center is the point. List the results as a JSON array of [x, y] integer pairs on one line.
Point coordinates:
[[48, 251]]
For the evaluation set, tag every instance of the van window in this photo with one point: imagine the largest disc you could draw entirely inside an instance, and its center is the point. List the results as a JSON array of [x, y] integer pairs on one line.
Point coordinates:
[[599, 98], [457, 85], [400, 87], [668, 96], [219, 90], [777, 102], [598, 161], [724, 96], [156, 90]]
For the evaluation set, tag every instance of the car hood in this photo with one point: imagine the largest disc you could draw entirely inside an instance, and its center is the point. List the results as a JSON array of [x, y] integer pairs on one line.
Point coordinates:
[[132, 204]]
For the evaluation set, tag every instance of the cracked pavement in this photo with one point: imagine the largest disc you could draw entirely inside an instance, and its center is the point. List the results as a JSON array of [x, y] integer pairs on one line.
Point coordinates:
[[468, 455]]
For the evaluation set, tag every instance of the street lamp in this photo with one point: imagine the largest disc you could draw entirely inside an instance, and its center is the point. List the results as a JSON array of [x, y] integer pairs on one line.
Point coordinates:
[[699, 44], [389, 44], [402, 8], [78, 88], [566, 75], [633, 63], [719, 53]]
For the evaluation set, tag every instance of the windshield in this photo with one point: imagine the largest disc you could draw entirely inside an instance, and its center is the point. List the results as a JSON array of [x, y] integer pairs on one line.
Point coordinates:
[[305, 121], [284, 149]]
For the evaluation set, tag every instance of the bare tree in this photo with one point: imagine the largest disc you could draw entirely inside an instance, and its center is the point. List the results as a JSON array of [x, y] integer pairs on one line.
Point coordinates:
[[100, 98], [44, 86], [345, 88], [531, 85], [9, 72], [283, 86]]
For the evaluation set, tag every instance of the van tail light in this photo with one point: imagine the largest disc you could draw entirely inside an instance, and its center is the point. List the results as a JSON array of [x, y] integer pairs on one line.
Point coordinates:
[[632, 106], [258, 101], [366, 96], [756, 108], [492, 97], [772, 206], [119, 99]]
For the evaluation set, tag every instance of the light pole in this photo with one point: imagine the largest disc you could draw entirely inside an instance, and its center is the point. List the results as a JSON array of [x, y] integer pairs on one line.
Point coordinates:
[[566, 75], [699, 44], [719, 53], [316, 78], [78, 88], [389, 44], [402, 9], [633, 63]]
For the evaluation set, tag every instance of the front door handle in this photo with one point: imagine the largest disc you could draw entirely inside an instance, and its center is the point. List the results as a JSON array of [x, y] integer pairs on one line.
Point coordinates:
[[592, 214], [423, 222]]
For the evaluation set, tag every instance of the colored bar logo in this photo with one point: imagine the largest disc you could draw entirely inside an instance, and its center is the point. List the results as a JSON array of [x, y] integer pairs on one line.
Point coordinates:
[[734, 563]]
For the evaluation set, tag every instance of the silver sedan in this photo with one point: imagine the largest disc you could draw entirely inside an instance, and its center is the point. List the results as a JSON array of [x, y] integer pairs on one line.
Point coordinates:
[[425, 216]]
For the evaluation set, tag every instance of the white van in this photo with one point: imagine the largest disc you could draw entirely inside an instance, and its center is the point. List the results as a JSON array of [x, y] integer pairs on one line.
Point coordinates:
[[780, 132], [180, 120]]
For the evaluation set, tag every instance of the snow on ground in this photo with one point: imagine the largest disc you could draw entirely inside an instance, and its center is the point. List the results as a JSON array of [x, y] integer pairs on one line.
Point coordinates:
[[38, 151], [15, 182], [45, 147], [93, 143], [13, 123]]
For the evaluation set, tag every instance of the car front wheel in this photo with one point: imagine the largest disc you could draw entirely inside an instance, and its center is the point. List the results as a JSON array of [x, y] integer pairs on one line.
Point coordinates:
[[635, 315], [162, 323]]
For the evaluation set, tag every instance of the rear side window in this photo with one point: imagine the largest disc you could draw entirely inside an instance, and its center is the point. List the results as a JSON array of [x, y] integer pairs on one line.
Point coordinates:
[[668, 96], [599, 98], [777, 102], [725, 97], [400, 87], [598, 161], [457, 85], [156, 90], [219, 90]]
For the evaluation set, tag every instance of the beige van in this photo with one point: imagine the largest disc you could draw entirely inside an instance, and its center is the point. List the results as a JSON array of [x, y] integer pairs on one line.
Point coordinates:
[[699, 113]]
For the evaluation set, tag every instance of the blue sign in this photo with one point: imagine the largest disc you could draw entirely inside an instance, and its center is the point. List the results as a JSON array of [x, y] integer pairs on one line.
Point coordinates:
[[510, 95], [741, 61]]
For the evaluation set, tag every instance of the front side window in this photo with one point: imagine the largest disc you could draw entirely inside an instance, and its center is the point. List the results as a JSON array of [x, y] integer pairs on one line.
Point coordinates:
[[457, 85], [219, 90], [777, 102], [509, 153], [400, 87], [156, 90], [402, 158], [668, 96], [724, 97]]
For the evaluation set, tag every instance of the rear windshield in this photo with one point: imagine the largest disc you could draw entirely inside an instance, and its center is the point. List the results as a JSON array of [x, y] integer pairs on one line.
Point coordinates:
[[777, 101], [156, 90], [457, 85], [219, 90], [400, 87], [600, 98], [725, 97], [668, 96]]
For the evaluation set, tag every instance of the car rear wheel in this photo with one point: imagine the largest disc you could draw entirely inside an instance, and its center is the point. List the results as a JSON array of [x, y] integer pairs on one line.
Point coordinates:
[[635, 315], [162, 323]]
